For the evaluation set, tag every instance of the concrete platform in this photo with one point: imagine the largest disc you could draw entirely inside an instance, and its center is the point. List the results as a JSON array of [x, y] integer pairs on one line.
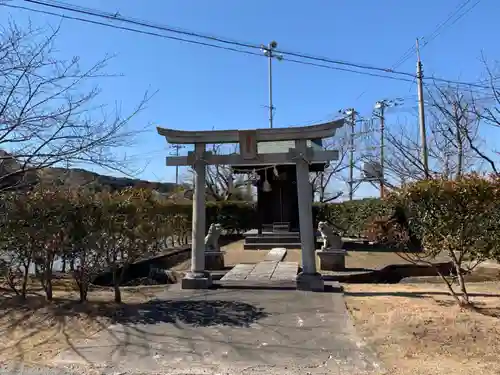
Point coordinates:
[[229, 332], [266, 274]]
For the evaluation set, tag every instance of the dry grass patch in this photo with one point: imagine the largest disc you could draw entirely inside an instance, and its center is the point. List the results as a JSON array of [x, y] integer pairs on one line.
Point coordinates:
[[417, 329], [235, 254], [34, 331]]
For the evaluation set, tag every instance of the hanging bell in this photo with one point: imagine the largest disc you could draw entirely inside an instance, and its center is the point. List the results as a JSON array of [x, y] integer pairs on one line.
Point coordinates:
[[275, 171], [266, 186]]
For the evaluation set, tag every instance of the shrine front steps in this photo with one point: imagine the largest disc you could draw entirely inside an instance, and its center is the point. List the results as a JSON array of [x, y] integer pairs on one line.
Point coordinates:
[[269, 240]]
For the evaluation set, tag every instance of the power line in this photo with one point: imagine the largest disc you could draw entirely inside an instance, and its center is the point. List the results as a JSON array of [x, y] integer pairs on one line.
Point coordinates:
[[457, 82], [150, 33], [438, 30], [408, 53], [117, 17], [445, 24]]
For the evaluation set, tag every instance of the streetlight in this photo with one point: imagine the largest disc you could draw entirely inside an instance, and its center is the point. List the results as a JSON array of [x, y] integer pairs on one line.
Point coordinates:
[[269, 52]]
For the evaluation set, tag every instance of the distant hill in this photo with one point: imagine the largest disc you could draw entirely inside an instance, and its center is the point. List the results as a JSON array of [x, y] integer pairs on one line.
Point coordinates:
[[80, 177], [73, 177]]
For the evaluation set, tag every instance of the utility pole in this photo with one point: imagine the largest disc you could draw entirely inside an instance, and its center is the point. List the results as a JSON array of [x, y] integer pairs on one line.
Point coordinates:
[[269, 52], [351, 153], [382, 145], [421, 114], [351, 114], [381, 105], [177, 147]]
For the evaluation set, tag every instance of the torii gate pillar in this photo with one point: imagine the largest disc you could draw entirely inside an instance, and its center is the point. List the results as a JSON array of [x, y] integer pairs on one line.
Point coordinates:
[[301, 156]]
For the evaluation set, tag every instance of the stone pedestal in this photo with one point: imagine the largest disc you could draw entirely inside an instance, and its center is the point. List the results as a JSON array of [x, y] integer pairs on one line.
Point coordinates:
[[331, 259], [214, 260], [197, 280], [310, 282]]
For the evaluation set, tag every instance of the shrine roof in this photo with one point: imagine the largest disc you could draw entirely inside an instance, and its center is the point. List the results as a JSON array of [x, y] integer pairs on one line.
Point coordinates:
[[324, 130], [284, 146]]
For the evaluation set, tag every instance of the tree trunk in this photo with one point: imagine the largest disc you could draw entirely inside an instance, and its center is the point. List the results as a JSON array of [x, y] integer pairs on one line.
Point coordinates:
[[11, 280], [116, 286], [63, 266], [24, 286], [48, 289], [463, 289], [83, 288], [47, 279]]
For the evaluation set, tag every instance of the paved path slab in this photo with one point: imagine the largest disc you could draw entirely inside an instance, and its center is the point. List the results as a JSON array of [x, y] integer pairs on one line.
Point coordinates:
[[276, 254], [230, 332], [285, 271], [262, 271], [239, 272]]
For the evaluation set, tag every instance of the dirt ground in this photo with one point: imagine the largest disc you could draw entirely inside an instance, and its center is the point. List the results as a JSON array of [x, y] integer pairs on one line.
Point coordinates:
[[356, 259], [234, 255], [34, 331], [417, 329]]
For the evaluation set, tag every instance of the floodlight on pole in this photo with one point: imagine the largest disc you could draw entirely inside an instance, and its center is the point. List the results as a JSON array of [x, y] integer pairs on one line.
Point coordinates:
[[269, 52]]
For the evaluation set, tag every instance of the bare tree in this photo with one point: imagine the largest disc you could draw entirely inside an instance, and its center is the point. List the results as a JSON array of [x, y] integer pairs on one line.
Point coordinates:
[[454, 143], [221, 183], [322, 181], [49, 113], [489, 114]]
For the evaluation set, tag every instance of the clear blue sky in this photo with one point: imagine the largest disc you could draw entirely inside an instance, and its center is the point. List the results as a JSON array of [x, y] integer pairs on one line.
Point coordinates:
[[203, 88]]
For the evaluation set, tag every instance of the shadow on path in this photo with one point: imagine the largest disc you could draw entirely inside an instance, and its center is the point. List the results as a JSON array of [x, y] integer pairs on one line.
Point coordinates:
[[195, 313]]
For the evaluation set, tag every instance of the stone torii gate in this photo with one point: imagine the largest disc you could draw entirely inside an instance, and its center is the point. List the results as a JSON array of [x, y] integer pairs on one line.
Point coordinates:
[[301, 156]]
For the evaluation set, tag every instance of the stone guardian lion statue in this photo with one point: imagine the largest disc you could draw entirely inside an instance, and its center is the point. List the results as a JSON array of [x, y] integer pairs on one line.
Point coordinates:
[[212, 237], [331, 240]]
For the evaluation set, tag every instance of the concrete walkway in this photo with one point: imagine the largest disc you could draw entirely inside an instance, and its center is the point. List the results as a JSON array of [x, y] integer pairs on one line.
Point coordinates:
[[230, 332]]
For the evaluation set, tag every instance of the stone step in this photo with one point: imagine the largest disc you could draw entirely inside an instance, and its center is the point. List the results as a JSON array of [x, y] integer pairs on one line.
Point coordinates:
[[269, 246], [272, 234], [272, 239], [276, 254], [258, 284]]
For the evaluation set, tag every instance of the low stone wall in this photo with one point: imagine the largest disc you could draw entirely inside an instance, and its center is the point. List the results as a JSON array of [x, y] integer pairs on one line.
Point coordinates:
[[392, 274], [142, 268], [168, 259]]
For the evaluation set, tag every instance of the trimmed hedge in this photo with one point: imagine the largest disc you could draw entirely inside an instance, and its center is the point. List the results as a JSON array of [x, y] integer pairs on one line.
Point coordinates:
[[235, 217], [351, 217]]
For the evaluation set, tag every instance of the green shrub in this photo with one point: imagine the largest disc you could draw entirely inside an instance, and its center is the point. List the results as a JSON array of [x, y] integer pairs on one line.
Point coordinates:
[[351, 217], [460, 218]]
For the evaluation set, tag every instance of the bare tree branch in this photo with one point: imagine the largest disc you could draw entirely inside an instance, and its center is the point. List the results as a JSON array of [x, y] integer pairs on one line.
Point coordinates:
[[48, 110]]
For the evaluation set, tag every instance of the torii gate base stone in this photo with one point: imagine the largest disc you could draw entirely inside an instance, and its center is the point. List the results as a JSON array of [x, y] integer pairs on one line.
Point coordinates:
[[301, 156]]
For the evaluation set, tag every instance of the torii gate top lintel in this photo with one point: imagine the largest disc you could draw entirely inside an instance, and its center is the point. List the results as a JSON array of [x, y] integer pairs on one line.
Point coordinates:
[[322, 131]]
